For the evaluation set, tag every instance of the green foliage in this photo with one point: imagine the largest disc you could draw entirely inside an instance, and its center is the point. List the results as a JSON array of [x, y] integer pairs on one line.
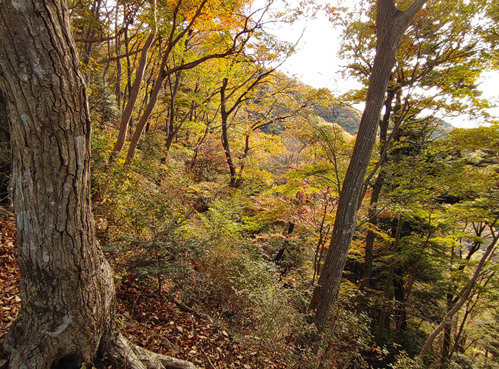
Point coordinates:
[[249, 256], [102, 102], [443, 66], [404, 361], [347, 341]]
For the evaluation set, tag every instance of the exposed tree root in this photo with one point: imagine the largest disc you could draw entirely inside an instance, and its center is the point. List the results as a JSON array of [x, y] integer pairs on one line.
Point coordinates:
[[136, 357]]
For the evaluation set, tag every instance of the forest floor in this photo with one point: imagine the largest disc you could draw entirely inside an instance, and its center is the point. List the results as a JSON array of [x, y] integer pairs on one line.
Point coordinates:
[[153, 321]]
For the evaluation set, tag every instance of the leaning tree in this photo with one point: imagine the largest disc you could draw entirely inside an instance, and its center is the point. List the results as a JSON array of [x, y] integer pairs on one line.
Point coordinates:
[[67, 292], [391, 23]]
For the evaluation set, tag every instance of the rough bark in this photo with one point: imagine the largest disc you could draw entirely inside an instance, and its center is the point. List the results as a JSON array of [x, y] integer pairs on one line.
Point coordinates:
[[390, 25], [5, 154], [66, 286], [4, 126], [375, 194]]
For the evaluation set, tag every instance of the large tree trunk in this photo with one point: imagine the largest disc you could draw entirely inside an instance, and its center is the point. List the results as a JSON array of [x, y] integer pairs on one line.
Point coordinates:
[[390, 25], [66, 284], [365, 282], [66, 317], [5, 155]]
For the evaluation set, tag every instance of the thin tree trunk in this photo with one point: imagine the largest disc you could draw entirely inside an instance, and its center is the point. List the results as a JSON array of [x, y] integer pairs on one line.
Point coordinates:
[[389, 284], [244, 158], [225, 136], [447, 335], [163, 73], [170, 127], [402, 319], [199, 143], [128, 87], [390, 25], [399, 295], [461, 300], [321, 241], [371, 236], [90, 35], [460, 337], [118, 59], [134, 91]]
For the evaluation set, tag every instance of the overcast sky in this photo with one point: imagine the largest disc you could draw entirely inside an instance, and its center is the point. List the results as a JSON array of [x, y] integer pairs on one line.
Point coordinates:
[[316, 63]]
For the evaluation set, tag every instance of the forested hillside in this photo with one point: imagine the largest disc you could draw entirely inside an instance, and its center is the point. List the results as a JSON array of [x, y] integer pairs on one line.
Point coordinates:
[[346, 117], [219, 187]]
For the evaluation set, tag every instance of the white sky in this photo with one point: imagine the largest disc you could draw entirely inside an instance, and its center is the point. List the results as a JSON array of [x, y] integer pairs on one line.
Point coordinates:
[[316, 62]]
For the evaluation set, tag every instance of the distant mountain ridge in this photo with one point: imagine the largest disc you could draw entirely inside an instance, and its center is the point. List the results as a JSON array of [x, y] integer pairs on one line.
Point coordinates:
[[346, 117]]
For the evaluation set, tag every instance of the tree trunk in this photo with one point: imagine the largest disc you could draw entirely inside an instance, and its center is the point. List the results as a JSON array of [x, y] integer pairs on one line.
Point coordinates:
[[89, 34], [390, 24], [170, 125], [399, 294], [462, 299], [5, 154], [4, 125], [389, 290], [66, 288], [373, 209], [225, 136], [134, 91], [66, 284], [371, 236], [165, 72], [118, 59]]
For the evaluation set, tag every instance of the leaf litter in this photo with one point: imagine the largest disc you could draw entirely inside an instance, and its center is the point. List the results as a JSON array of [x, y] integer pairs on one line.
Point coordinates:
[[157, 322]]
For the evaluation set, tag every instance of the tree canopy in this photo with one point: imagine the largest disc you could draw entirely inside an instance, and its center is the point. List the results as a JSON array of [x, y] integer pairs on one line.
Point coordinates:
[[250, 220]]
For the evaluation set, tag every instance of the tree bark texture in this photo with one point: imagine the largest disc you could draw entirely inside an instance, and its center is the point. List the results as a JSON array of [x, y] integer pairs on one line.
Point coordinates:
[[66, 288], [373, 209], [4, 126], [5, 154], [66, 284], [390, 25]]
